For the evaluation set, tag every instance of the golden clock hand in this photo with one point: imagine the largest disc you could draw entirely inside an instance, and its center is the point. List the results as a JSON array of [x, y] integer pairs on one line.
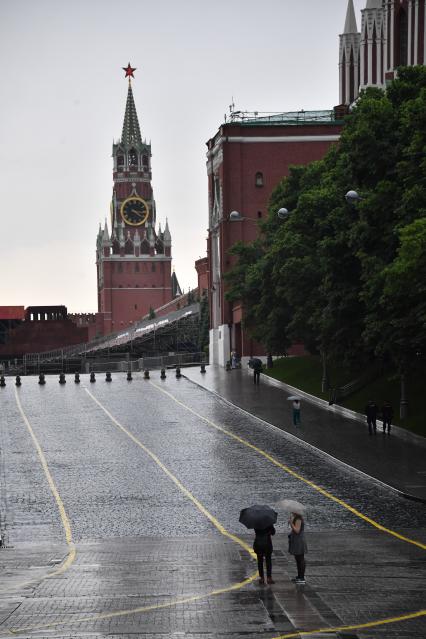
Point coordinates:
[[137, 213]]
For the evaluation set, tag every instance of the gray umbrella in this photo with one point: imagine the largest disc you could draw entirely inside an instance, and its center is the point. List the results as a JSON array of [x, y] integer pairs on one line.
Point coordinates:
[[291, 506], [259, 517]]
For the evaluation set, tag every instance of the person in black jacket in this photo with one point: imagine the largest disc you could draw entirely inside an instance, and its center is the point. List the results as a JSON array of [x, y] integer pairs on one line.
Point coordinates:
[[371, 414], [387, 416], [262, 546], [256, 364]]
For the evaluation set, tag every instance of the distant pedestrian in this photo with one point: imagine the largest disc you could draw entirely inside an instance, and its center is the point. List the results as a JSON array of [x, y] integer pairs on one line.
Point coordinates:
[[296, 412], [387, 416], [297, 545], [371, 414], [263, 548], [256, 364]]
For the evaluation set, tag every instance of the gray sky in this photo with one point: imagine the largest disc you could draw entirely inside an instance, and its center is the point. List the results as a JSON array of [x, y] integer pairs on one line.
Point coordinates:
[[63, 96]]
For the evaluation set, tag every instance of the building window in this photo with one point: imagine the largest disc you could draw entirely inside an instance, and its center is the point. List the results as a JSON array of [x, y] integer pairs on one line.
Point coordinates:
[[259, 179], [133, 158], [136, 267], [120, 161], [120, 267], [153, 267], [259, 214], [136, 307]]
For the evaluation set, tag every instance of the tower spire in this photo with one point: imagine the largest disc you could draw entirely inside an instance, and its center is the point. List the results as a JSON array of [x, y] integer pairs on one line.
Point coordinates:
[[350, 22], [131, 133]]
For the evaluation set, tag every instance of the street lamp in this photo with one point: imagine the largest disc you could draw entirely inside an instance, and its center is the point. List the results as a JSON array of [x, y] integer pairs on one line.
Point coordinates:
[[235, 216], [283, 213], [352, 197]]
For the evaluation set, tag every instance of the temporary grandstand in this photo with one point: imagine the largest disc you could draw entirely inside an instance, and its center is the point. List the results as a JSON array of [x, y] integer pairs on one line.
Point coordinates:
[[165, 341]]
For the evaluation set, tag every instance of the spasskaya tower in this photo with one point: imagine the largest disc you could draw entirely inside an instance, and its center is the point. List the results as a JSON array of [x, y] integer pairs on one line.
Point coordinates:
[[134, 258]]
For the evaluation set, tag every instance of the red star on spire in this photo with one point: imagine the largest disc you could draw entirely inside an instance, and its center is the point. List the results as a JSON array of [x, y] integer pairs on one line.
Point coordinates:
[[129, 71]]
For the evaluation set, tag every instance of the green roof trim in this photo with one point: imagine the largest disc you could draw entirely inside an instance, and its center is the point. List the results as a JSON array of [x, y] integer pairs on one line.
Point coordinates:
[[294, 118]]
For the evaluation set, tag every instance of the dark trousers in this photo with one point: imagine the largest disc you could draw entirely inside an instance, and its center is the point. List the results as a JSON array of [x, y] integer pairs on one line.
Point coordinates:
[[268, 561], [371, 421], [300, 563], [386, 422], [296, 416], [256, 377]]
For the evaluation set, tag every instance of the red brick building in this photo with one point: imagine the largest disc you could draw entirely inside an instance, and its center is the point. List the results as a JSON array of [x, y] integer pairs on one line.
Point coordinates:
[[246, 159], [134, 258]]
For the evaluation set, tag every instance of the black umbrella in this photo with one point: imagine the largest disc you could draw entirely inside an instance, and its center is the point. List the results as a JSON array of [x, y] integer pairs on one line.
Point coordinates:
[[257, 516], [255, 361]]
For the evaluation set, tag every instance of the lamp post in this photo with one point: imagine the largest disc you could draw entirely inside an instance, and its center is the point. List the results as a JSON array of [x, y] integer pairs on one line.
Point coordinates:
[[353, 197]]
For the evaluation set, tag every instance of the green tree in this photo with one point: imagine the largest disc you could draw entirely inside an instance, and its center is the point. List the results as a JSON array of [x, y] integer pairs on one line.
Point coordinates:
[[327, 274], [151, 313]]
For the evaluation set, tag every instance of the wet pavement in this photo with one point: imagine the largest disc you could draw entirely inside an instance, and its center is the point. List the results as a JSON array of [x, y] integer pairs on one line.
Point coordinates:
[[152, 476], [390, 459]]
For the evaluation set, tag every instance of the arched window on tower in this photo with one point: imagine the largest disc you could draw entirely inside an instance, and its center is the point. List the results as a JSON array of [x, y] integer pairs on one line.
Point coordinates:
[[259, 179], [402, 38], [145, 162], [120, 161], [133, 158]]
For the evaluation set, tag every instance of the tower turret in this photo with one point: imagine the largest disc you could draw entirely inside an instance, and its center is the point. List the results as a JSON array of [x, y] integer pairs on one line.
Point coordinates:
[[372, 47], [349, 58]]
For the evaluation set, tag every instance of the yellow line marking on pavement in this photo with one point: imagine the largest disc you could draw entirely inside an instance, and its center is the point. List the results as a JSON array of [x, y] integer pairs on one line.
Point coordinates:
[[360, 626], [64, 517], [216, 523], [132, 611], [330, 496], [168, 604], [293, 473], [175, 480]]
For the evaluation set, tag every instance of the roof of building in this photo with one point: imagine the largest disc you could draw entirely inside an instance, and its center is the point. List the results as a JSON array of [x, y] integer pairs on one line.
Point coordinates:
[[12, 312], [246, 118]]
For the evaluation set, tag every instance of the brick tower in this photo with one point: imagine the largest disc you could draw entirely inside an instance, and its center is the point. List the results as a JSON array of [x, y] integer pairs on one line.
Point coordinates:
[[393, 34], [134, 259]]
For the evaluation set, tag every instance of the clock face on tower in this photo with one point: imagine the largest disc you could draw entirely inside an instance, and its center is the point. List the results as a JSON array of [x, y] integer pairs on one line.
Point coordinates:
[[134, 211]]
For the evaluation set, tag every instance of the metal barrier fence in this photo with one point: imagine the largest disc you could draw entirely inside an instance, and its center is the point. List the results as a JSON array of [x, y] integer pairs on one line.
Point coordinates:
[[115, 362], [171, 361]]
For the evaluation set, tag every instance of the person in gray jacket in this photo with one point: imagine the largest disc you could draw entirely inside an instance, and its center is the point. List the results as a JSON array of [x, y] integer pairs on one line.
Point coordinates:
[[297, 545]]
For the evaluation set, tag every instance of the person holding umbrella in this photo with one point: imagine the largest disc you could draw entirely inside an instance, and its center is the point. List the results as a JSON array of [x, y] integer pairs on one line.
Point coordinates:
[[262, 519], [297, 545], [296, 409], [256, 364]]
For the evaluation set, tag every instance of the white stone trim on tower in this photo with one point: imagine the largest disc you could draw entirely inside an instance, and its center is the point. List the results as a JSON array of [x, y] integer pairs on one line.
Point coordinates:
[[416, 32], [392, 38], [410, 31]]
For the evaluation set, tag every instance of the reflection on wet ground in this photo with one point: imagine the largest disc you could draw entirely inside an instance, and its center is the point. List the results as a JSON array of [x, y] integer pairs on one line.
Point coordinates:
[[141, 540]]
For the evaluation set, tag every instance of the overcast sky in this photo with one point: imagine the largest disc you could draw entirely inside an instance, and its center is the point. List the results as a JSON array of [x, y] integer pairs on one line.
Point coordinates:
[[63, 97]]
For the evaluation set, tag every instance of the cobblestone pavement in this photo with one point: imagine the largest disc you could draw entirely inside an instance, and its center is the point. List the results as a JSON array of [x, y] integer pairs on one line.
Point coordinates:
[[142, 542], [392, 460]]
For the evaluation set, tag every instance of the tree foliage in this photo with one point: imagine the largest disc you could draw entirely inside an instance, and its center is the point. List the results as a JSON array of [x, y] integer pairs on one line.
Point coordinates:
[[348, 279]]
